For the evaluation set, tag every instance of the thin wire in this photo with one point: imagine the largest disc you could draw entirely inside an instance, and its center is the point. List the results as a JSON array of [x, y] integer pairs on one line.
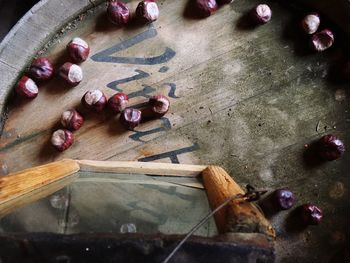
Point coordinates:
[[195, 228]]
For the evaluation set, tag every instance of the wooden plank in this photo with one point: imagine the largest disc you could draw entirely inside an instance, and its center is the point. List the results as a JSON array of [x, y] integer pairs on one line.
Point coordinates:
[[34, 183], [163, 169]]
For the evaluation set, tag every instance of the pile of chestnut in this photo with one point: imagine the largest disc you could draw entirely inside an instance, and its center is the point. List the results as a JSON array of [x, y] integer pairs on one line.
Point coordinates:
[[96, 100], [42, 70]]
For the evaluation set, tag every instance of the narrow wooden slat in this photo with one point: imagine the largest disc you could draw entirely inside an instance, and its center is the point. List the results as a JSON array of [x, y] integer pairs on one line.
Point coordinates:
[[165, 169], [19, 188]]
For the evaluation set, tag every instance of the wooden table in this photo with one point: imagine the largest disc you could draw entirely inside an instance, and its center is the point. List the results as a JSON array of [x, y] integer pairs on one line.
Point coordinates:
[[247, 99]]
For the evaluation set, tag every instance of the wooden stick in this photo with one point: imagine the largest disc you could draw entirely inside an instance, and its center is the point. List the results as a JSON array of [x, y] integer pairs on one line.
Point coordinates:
[[34, 183], [239, 215], [166, 169]]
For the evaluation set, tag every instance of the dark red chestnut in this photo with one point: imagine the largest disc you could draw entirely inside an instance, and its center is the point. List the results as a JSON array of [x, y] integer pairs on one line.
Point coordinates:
[[72, 74], [130, 118], [322, 40], [27, 88], [206, 7], [118, 12], [72, 120], [62, 139], [118, 102], [311, 214], [310, 23], [330, 147], [41, 69], [147, 11], [283, 199], [94, 99], [262, 13], [78, 50], [159, 105]]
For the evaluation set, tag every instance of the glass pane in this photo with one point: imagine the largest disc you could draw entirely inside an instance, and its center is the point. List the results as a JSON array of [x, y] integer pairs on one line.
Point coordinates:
[[121, 203]]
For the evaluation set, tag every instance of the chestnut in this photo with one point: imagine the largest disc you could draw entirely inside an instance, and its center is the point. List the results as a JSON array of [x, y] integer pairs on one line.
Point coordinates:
[[118, 102], [147, 11], [27, 88], [310, 23], [283, 199], [72, 120], [159, 105], [41, 69], [118, 12], [322, 40], [94, 99], [330, 147], [72, 74], [206, 7], [62, 139], [262, 13], [130, 118], [78, 50], [311, 214]]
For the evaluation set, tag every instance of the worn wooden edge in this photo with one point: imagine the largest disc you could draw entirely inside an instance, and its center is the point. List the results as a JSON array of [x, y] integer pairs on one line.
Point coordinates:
[[34, 183], [29, 35], [163, 169]]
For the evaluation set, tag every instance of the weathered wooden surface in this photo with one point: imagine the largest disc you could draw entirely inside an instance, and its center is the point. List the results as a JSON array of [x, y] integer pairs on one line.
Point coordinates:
[[246, 99]]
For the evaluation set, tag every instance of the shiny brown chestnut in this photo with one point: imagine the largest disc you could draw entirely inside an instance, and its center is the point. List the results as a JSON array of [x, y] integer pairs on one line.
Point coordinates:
[[283, 199], [62, 139], [41, 69], [130, 118], [118, 12], [27, 88], [95, 100], [78, 50], [311, 214], [311, 23], [118, 102], [159, 105], [330, 147], [72, 120], [147, 11], [262, 13], [206, 8], [322, 40], [72, 74]]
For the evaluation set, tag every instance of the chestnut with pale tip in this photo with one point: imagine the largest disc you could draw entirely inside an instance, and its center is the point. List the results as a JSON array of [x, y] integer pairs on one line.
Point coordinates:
[[72, 120], [118, 12], [311, 23], [262, 13], [72, 74], [27, 88], [158, 106], [147, 11], [130, 118], [322, 40], [206, 7], [118, 102], [95, 100], [41, 69], [62, 139], [330, 147], [311, 214], [78, 50]]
